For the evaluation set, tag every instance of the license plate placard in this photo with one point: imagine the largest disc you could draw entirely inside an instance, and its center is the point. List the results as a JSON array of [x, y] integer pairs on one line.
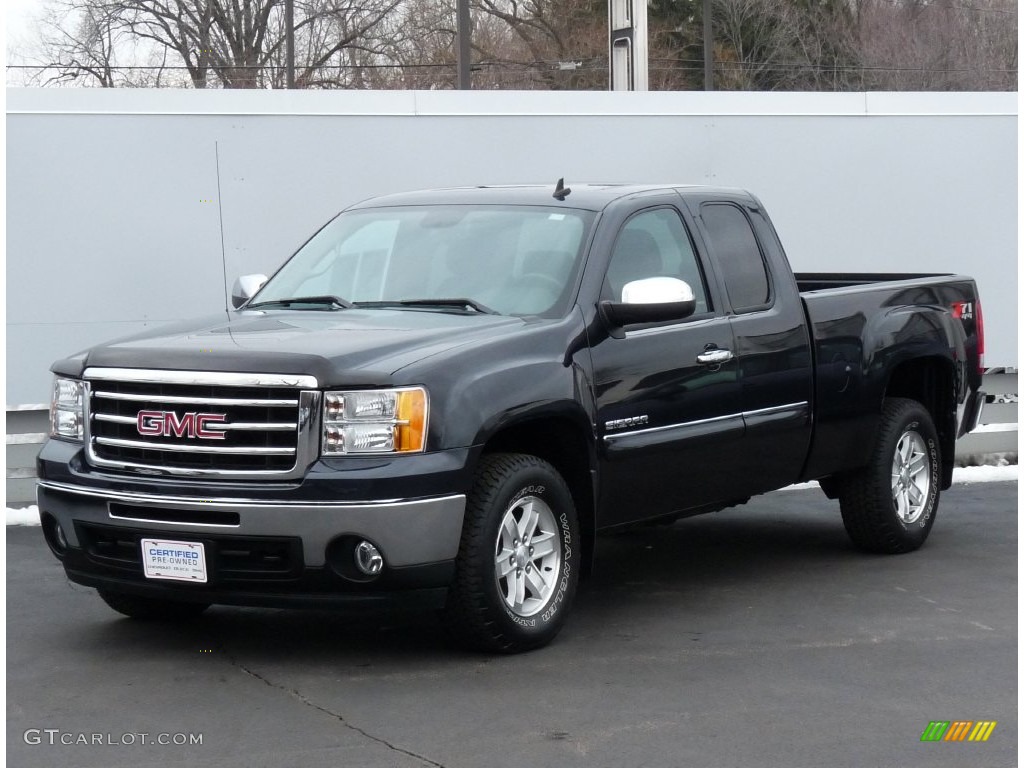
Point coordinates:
[[174, 560]]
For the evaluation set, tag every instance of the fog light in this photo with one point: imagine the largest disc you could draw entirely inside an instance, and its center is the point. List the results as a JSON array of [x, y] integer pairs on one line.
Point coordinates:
[[55, 537], [368, 558]]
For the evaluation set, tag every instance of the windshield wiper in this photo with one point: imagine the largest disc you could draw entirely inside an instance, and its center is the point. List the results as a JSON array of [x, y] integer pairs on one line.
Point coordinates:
[[333, 302], [472, 304]]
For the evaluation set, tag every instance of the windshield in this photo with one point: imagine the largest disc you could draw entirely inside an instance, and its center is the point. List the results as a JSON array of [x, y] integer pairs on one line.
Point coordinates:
[[514, 260]]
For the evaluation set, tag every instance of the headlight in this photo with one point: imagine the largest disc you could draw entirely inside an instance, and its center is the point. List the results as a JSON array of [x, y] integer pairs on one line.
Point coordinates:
[[67, 412], [375, 421]]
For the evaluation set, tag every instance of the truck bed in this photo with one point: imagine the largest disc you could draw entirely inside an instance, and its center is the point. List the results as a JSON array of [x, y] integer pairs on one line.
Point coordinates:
[[818, 281], [863, 327]]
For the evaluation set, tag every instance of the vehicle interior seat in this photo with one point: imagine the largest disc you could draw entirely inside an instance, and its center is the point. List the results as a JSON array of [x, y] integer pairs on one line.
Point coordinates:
[[636, 256]]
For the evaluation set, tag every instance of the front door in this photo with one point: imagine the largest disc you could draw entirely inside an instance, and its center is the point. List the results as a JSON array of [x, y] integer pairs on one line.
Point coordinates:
[[668, 395]]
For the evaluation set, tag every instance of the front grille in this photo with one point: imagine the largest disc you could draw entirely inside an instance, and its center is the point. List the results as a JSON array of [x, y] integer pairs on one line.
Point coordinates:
[[195, 428], [229, 558]]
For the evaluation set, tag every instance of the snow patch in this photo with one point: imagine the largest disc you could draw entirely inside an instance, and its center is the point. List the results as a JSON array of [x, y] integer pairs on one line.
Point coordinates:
[[23, 516], [967, 475], [961, 475]]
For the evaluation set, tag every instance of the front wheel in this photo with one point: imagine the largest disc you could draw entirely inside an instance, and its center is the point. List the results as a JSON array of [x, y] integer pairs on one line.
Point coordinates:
[[889, 506], [518, 560]]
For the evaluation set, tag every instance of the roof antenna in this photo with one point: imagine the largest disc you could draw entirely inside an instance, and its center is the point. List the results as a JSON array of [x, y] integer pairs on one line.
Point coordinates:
[[561, 191]]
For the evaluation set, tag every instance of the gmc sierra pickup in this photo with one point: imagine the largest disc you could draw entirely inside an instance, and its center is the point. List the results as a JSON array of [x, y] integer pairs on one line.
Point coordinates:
[[443, 397]]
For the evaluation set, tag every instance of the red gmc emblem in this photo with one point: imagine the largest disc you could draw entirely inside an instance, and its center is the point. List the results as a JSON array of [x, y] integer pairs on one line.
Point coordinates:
[[192, 425]]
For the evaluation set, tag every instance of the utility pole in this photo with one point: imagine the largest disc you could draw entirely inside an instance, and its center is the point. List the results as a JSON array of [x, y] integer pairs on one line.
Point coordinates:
[[627, 45], [289, 43], [462, 41], [709, 52]]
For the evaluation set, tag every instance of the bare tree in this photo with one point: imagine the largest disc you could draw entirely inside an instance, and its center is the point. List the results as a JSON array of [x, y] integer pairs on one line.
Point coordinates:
[[549, 44], [552, 44], [91, 51], [227, 43], [944, 45], [757, 43]]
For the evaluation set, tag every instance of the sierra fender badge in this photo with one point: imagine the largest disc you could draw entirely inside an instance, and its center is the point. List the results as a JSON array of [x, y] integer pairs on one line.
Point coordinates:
[[632, 421]]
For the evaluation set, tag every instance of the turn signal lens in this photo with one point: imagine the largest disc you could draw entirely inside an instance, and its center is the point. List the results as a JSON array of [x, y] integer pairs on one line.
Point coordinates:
[[412, 420]]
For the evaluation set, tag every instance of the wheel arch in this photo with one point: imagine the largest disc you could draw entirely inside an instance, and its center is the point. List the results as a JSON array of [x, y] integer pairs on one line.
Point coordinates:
[[930, 380], [563, 437]]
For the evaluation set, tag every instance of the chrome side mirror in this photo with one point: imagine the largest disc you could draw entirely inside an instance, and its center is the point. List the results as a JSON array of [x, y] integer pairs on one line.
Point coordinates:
[[245, 288], [651, 300], [657, 290]]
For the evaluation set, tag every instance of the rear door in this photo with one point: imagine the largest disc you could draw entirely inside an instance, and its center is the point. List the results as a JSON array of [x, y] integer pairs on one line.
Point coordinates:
[[668, 397], [771, 343]]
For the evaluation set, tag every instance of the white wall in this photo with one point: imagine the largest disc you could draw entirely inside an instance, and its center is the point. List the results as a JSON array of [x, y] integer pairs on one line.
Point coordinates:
[[109, 228]]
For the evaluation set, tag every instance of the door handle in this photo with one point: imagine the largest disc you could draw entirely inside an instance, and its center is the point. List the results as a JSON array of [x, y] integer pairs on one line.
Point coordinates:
[[714, 356]]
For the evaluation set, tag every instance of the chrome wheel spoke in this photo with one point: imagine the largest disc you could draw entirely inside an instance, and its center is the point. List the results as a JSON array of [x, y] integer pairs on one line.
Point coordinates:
[[505, 562], [914, 494], [509, 532], [528, 521], [898, 504], [537, 584], [520, 591], [542, 545], [917, 463], [511, 586], [906, 446]]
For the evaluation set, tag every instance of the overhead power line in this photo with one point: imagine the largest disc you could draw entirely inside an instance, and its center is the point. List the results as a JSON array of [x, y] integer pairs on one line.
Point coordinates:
[[678, 64]]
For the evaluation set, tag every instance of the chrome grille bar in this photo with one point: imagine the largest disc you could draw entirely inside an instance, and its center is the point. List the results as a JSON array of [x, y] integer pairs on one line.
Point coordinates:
[[189, 448], [283, 426], [253, 402]]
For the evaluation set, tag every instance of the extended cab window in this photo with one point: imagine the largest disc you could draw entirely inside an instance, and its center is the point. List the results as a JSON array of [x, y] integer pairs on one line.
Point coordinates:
[[735, 248], [655, 244]]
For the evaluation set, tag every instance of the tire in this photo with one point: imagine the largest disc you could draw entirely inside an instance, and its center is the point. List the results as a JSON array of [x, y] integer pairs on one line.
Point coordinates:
[[889, 506], [151, 608], [506, 596]]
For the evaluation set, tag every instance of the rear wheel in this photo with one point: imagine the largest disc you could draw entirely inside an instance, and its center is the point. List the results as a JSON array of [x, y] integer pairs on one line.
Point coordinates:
[[151, 608], [517, 566], [889, 506]]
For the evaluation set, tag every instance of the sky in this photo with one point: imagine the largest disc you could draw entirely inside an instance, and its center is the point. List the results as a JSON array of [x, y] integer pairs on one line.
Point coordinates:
[[19, 17]]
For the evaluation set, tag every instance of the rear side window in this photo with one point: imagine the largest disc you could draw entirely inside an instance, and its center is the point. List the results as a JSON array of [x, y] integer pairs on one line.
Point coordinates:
[[734, 246]]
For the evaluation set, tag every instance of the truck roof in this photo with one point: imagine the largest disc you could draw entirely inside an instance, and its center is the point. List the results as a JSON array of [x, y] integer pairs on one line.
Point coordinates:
[[592, 197]]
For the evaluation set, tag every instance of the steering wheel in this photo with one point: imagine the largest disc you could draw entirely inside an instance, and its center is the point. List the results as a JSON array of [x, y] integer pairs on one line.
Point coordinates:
[[550, 284]]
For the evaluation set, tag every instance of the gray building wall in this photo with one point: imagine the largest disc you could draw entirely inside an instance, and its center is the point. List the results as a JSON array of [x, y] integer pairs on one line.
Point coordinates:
[[131, 208]]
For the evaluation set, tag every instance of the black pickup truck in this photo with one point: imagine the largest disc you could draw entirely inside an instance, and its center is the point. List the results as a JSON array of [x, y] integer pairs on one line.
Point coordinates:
[[443, 397]]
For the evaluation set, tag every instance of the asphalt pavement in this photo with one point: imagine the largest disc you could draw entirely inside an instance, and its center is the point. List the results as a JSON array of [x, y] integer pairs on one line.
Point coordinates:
[[752, 637]]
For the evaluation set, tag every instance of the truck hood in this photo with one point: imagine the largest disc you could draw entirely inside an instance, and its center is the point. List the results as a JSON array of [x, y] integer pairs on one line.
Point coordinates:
[[346, 347]]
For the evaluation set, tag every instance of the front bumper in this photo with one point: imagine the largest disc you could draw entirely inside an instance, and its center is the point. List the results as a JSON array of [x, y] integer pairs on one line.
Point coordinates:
[[266, 543], [407, 532]]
